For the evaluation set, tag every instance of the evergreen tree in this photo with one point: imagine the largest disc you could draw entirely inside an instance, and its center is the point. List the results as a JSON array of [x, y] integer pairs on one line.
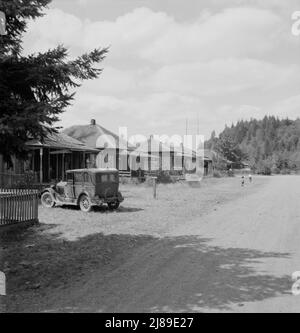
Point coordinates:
[[229, 149], [270, 144], [35, 89]]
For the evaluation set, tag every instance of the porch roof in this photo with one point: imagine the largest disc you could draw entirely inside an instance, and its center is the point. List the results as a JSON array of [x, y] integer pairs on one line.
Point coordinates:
[[61, 141]]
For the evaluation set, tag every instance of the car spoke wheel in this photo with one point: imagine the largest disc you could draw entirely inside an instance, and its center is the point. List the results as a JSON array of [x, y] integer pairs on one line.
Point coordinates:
[[113, 205], [85, 203], [47, 200]]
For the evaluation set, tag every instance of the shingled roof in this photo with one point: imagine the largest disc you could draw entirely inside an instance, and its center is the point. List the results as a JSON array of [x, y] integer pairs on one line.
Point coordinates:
[[96, 136], [60, 141]]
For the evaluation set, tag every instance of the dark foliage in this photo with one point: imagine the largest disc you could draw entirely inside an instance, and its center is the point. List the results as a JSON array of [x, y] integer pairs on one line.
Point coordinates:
[[35, 89], [268, 145]]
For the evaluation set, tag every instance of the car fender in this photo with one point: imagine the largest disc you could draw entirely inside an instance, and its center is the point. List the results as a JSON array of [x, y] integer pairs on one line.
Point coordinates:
[[82, 193], [120, 197], [51, 191]]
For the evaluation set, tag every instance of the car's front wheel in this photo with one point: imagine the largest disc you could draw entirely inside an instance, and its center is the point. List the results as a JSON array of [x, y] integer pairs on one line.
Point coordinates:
[[47, 200], [85, 203]]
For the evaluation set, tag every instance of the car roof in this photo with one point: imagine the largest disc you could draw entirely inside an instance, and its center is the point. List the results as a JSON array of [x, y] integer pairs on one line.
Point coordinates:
[[94, 171]]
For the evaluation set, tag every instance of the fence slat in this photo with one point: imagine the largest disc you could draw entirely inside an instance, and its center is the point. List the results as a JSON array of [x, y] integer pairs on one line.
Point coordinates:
[[18, 206]]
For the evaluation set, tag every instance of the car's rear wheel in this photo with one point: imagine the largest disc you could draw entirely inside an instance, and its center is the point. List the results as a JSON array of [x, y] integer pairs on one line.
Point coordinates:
[[47, 200], [113, 205], [85, 203]]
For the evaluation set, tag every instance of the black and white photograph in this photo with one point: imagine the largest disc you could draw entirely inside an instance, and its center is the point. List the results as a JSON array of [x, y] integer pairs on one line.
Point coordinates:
[[150, 159]]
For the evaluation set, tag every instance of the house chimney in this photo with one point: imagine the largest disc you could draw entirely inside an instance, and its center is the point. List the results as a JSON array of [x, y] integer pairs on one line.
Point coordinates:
[[93, 122]]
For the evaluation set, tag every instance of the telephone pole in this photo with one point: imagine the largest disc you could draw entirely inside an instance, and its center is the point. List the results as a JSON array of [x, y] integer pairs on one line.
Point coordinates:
[[2, 24], [186, 126]]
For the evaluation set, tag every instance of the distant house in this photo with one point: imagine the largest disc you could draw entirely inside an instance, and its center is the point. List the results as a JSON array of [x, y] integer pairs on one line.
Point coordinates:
[[159, 155], [208, 162], [216, 160], [99, 138], [149, 155], [173, 158]]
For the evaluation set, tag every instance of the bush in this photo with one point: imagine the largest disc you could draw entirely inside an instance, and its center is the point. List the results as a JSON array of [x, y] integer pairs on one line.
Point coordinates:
[[266, 171], [275, 170], [285, 172], [26, 181], [217, 174], [131, 181], [164, 177], [148, 181]]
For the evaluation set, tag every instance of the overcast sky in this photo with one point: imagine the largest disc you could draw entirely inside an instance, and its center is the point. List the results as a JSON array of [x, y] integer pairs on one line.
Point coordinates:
[[216, 60]]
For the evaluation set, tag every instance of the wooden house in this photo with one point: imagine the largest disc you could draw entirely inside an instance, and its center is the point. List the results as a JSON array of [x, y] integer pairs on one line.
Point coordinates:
[[172, 158], [48, 160], [115, 150]]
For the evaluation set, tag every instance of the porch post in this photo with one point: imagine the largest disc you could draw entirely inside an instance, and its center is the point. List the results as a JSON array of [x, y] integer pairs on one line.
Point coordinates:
[[63, 167], [41, 165], [56, 157], [72, 162], [49, 166], [33, 162]]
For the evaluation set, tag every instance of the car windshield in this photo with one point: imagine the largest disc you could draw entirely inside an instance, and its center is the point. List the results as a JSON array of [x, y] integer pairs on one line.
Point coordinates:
[[105, 178]]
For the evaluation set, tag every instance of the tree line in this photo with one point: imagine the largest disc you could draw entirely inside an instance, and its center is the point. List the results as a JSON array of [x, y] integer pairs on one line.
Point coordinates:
[[269, 145]]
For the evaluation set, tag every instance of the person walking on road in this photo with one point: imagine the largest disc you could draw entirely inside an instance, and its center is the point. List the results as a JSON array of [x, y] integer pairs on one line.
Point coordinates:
[[243, 181]]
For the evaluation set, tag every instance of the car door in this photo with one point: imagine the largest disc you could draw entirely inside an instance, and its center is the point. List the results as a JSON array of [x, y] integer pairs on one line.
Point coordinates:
[[79, 185], [69, 190], [88, 185]]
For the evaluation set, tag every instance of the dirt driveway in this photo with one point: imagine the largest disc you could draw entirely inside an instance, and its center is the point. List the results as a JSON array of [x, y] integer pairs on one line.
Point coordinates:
[[215, 248]]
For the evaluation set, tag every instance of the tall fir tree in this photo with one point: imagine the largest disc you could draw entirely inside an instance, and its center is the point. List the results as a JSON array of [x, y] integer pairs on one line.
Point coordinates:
[[35, 89]]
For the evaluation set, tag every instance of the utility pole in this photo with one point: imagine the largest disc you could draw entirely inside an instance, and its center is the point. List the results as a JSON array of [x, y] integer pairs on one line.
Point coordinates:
[[186, 126], [2, 24]]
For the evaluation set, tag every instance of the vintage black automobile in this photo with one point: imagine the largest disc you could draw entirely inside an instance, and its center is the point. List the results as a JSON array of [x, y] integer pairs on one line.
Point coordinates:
[[85, 188]]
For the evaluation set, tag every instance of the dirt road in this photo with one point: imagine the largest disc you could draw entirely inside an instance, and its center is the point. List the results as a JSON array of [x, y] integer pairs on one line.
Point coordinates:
[[237, 254]]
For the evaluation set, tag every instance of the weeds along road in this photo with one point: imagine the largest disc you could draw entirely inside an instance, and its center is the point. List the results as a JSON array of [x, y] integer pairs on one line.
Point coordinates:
[[223, 249]]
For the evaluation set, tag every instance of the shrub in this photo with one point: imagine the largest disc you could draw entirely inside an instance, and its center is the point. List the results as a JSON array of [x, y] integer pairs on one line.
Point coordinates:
[[275, 170], [164, 177], [266, 171], [126, 181], [149, 181], [217, 174], [26, 180], [285, 172]]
